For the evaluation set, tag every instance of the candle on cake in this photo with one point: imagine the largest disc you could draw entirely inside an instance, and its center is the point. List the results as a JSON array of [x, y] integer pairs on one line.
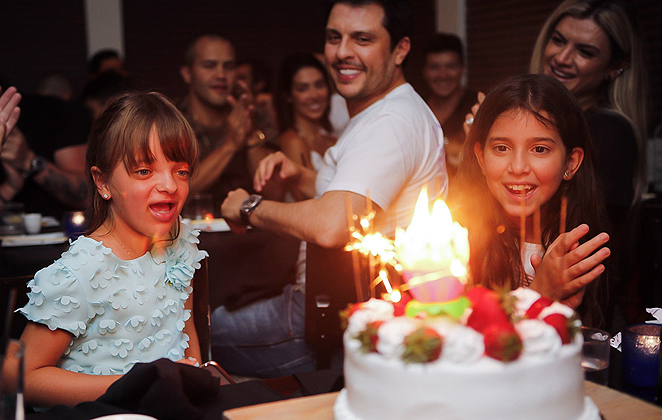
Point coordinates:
[[433, 253]]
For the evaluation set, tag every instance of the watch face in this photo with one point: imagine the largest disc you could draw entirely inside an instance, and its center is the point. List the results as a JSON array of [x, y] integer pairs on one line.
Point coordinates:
[[250, 203], [251, 200]]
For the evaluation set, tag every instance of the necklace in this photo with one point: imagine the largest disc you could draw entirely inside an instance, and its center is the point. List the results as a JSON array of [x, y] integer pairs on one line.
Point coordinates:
[[122, 245]]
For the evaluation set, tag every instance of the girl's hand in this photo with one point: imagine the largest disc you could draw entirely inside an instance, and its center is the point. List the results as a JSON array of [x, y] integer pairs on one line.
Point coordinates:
[[278, 163], [568, 267], [469, 118], [192, 361]]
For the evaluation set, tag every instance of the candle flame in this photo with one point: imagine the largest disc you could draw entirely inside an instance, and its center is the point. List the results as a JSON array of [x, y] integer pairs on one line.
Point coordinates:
[[433, 242]]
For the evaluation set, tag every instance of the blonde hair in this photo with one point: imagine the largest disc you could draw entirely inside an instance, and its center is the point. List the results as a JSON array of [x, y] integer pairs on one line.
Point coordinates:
[[626, 93]]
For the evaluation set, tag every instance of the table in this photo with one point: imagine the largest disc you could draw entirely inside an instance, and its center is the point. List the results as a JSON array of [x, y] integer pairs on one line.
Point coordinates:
[[613, 405]]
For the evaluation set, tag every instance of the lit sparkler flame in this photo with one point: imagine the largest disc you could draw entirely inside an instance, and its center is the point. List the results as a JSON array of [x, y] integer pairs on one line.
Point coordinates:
[[433, 252]]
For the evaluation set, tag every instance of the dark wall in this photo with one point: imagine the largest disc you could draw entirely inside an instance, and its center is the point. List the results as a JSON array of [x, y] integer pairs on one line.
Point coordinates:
[[41, 36]]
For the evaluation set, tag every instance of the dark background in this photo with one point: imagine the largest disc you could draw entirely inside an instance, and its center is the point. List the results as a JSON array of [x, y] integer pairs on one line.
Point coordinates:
[[39, 36]]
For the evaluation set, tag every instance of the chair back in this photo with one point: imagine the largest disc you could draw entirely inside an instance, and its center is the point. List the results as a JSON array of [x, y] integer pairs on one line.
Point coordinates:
[[13, 293], [201, 317], [330, 286]]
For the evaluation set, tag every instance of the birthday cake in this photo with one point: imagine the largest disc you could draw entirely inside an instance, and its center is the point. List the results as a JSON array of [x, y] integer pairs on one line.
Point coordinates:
[[481, 356]]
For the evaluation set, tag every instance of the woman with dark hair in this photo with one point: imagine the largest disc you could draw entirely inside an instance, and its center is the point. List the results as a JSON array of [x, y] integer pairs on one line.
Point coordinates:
[[528, 152], [302, 106]]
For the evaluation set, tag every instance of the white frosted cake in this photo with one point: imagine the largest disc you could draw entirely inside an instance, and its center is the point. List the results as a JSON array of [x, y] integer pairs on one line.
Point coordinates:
[[435, 364]]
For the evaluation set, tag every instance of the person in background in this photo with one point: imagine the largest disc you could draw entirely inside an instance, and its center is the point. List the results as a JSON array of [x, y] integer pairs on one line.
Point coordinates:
[[104, 60], [338, 115], [450, 101], [595, 48], [56, 84], [122, 293], [256, 74], [9, 113], [302, 101], [43, 159], [100, 90], [391, 148], [219, 109]]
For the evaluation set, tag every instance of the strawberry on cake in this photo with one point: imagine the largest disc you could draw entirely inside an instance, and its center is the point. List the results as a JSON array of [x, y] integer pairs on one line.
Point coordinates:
[[484, 355]]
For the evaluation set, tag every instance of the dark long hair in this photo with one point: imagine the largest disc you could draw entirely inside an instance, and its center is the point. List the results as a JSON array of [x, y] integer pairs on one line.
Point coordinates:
[[289, 68], [495, 253], [121, 135]]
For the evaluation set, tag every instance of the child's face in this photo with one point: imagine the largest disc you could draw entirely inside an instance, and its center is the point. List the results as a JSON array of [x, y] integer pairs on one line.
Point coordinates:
[[524, 161], [147, 199]]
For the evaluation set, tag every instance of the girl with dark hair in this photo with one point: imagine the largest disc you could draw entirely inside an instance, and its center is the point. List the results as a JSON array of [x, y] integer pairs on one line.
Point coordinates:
[[302, 106], [122, 292], [529, 151]]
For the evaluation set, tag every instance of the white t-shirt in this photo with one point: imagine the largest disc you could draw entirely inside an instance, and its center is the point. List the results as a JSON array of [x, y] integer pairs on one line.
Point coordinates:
[[338, 114], [389, 152]]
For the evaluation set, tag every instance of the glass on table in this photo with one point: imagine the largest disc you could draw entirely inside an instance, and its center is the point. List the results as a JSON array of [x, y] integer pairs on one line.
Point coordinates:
[[11, 219], [595, 355], [199, 207], [641, 359]]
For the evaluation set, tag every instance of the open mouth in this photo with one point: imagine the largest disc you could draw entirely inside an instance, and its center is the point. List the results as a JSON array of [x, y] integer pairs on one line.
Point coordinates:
[[162, 208], [561, 74], [520, 190]]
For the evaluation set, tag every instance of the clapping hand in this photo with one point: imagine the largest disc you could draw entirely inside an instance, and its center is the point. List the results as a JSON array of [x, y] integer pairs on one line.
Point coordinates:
[[568, 267], [240, 120], [469, 118], [9, 112]]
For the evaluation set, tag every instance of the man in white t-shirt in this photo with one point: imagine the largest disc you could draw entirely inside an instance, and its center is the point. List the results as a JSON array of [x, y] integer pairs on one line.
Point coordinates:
[[391, 148]]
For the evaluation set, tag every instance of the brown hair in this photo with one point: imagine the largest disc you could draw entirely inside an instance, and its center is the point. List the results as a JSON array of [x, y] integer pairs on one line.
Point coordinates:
[[495, 253], [121, 135]]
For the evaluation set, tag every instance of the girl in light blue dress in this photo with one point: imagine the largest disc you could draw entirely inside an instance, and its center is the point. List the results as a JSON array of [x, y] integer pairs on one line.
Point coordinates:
[[122, 292]]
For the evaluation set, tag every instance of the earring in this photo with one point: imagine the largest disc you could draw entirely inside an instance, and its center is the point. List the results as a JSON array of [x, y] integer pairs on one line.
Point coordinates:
[[566, 175], [105, 196], [620, 71]]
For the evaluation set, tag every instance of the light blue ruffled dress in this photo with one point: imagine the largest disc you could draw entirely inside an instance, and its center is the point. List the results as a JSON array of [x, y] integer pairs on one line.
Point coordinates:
[[119, 312]]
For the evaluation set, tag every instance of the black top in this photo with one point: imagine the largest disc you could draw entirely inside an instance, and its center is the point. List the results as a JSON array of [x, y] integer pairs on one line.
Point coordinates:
[[454, 125], [235, 175], [49, 124], [615, 146]]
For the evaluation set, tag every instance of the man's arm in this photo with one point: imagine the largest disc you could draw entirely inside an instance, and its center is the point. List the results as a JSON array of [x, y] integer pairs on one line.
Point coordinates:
[[64, 178], [237, 127], [322, 221]]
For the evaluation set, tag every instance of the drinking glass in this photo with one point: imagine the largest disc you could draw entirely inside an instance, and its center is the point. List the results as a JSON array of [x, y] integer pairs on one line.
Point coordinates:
[[595, 355], [641, 355], [12, 219], [11, 382], [199, 207]]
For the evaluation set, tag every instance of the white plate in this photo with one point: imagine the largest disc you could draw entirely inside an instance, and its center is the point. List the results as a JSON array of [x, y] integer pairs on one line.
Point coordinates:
[[125, 417], [38, 239], [213, 225]]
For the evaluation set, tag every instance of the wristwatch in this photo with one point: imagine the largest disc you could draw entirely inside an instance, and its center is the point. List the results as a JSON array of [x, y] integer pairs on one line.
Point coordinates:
[[37, 164], [248, 206]]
